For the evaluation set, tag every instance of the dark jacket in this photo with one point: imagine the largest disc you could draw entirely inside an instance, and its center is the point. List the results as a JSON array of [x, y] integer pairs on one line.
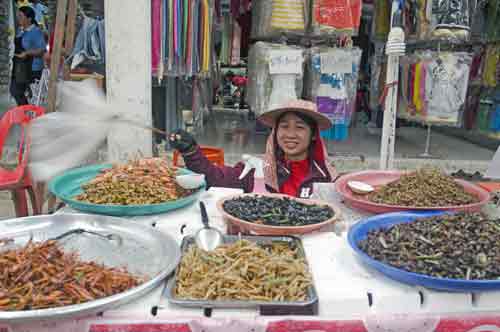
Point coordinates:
[[227, 176]]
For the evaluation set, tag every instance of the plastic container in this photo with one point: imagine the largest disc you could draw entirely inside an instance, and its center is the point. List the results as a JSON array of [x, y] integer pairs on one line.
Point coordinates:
[[360, 230], [379, 178], [215, 155], [68, 185], [236, 225]]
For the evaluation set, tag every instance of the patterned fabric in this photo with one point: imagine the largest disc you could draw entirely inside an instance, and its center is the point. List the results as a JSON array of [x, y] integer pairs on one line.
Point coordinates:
[[288, 15]]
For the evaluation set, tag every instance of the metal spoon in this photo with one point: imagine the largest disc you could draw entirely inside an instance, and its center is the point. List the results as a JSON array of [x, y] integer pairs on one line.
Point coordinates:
[[207, 238], [110, 237]]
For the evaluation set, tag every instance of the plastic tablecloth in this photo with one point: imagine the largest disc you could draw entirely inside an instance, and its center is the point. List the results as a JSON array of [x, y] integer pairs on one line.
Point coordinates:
[[352, 297]]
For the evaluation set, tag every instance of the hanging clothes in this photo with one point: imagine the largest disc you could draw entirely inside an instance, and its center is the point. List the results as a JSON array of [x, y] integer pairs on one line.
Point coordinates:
[[89, 43], [490, 67], [334, 87], [245, 22], [437, 87], [155, 34], [382, 18], [182, 37]]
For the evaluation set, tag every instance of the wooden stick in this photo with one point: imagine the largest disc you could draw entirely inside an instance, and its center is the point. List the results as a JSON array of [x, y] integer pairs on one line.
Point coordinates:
[[56, 53], [69, 37]]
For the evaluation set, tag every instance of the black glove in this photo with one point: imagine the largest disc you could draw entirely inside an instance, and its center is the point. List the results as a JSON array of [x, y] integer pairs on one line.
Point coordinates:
[[182, 141]]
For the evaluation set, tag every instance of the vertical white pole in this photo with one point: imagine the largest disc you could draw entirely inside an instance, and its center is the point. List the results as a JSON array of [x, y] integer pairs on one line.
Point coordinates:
[[128, 76], [394, 49]]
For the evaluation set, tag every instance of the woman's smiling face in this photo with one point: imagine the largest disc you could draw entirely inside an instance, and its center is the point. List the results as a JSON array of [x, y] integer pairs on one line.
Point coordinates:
[[293, 136]]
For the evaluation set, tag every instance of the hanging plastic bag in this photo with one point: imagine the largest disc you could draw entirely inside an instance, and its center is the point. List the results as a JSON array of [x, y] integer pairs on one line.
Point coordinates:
[[279, 17], [274, 73], [332, 17], [446, 82], [332, 83], [450, 19]]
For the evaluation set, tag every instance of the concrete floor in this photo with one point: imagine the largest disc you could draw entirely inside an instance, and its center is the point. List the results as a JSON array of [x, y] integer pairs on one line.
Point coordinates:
[[236, 135]]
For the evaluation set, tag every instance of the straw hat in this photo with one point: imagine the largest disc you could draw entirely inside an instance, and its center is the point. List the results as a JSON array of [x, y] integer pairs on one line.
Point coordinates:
[[305, 107]]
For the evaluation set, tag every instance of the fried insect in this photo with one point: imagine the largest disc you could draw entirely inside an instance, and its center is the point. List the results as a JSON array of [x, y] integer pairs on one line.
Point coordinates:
[[459, 246], [243, 271], [41, 275], [139, 182], [423, 188]]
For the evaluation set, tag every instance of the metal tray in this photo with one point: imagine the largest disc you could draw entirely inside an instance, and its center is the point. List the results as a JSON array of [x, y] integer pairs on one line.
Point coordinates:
[[307, 307], [69, 185], [143, 250]]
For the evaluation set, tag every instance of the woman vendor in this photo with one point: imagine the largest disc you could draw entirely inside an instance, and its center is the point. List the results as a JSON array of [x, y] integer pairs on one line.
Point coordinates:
[[295, 154], [28, 55]]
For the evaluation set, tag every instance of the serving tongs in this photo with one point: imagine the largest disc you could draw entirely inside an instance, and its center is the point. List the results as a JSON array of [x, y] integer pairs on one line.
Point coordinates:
[[110, 237]]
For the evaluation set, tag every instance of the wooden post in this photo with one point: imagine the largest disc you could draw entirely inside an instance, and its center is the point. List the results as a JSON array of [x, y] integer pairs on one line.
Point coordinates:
[[69, 37], [128, 76], [56, 53]]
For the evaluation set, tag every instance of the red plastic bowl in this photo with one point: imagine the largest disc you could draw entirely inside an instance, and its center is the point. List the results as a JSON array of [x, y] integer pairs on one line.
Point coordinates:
[[380, 178], [259, 229]]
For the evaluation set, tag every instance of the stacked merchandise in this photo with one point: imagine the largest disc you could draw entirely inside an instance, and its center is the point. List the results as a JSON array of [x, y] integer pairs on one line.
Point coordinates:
[[276, 70], [318, 18], [332, 84], [273, 18], [335, 17], [426, 19], [433, 86], [449, 19], [181, 37], [274, 74]]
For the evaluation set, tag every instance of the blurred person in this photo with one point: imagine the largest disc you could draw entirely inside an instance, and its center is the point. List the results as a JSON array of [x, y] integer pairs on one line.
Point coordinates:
[[28, 54]]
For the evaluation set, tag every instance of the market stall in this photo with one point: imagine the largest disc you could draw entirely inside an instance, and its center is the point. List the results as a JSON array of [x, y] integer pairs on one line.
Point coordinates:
[[348, 273], [352, 297]]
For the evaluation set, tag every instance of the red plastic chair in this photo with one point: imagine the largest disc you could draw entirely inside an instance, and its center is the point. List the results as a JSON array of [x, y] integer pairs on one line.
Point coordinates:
[[18, 180]]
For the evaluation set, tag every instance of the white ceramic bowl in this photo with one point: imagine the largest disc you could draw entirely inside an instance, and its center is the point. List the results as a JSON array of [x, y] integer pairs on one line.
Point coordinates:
[[360, 187], [190, 181]]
